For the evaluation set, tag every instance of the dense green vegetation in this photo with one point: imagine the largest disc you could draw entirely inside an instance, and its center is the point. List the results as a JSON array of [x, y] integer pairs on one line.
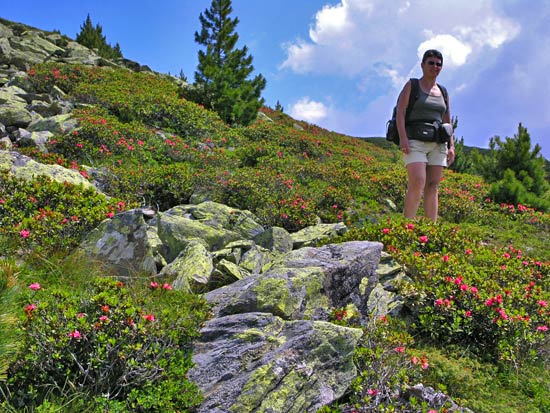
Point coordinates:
[[479, 295]]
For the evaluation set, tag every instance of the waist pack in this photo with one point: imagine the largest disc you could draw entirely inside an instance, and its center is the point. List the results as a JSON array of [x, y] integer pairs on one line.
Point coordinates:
[[430, 131], [423, 131]]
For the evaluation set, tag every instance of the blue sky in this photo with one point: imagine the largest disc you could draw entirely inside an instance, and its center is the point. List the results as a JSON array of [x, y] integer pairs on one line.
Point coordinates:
[[341, 64]]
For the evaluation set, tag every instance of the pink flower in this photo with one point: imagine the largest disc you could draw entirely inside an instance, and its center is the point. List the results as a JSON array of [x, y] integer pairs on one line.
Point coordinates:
[[166, 286], [372, 392], [149, 317], [410, 227], [542, 328], [399, 349], [473, 290], [24, 233], [542, 303], [445, 258], [439, 302], [75, 334], [423, 239], [386, 231], [2, 201], [468, 251], [468, 313], [463, 287], [30, 307], [81, 315], [34, 286], [103, 318], [154, 285], [110, 214]]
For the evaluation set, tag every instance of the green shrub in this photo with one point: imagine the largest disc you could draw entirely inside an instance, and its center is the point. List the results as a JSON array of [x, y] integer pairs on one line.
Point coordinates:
[[110, 343], [493, 302]]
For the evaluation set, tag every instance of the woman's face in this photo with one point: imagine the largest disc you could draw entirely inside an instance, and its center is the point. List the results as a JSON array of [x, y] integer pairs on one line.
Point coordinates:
[[432, 66]]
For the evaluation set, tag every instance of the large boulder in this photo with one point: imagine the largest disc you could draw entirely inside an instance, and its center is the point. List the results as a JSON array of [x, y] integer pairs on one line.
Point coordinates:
[[257, 362], [23, 167], [304, 283], [126, 243]]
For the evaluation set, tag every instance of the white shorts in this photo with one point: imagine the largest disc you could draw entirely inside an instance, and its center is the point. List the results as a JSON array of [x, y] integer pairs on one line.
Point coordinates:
[[431, 153]]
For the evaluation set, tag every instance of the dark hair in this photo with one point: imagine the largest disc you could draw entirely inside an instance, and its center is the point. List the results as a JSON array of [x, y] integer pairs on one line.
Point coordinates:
[[432, 53]]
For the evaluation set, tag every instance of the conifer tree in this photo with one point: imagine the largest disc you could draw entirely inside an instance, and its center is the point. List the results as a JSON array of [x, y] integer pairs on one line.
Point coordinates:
[[222, 80], [516, 170], [93, 38]]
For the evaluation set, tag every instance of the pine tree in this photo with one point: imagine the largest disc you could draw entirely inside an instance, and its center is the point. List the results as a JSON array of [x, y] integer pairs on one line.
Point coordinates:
[[516, 170], [222, 78], [93, 38]]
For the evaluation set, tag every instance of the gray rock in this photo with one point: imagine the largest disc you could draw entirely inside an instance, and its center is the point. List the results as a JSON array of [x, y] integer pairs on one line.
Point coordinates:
[[192, 268], [304, 283], [275, 239], [124, 243], [256, 362], [24, 167], [310, 236]]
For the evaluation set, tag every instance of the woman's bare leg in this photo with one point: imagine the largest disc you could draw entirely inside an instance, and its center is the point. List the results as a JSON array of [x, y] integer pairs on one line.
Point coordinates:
[[431, 191], [417, 181]]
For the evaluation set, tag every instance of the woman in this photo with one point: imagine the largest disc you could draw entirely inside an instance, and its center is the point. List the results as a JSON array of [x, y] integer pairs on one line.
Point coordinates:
[[424, 160]]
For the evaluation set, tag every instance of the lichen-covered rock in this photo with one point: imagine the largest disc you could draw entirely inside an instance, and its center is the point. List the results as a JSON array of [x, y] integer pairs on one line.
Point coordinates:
[[192, 268], [218, 215], [176, 229], [304, 283], [257, 362], [310, 236], [125, 243], [15, 114], [59, 124], [275, 239], [24, 167]]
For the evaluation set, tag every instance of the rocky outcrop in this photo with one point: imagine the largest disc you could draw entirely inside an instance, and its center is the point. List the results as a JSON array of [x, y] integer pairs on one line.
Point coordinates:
[[269, 345], [23, 167], [257, 362], [22, 45]]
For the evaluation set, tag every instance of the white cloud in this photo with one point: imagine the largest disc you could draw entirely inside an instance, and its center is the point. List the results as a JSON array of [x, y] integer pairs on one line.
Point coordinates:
[[308, 110], [455, 52], [353, 36]]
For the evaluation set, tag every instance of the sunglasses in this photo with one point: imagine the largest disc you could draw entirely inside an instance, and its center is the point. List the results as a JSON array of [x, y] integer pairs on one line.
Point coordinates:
[[431, 63]]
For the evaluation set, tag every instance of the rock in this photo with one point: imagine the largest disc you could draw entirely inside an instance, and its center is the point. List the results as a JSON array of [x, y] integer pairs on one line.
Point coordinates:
[[59, 124], [257, 362], [310, 236], [275, 239], [434, 399], [125, 243], [15, 114], [24, 167], [304, 283], [175, 231], [35, 139], [192, 268]]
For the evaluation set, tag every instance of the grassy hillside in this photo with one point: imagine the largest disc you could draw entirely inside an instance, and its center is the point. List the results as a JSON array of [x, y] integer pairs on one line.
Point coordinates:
[[481, 275]]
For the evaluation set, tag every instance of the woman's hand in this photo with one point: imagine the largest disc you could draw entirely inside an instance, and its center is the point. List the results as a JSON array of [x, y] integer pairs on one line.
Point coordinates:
[[451, 155], [404, 145]]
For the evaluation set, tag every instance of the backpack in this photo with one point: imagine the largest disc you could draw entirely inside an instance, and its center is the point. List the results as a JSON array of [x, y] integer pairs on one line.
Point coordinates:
[[392, 134]]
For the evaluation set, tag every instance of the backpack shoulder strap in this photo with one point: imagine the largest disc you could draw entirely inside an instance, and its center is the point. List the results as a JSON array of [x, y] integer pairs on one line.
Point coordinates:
[[413, 96], [445, 95]]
